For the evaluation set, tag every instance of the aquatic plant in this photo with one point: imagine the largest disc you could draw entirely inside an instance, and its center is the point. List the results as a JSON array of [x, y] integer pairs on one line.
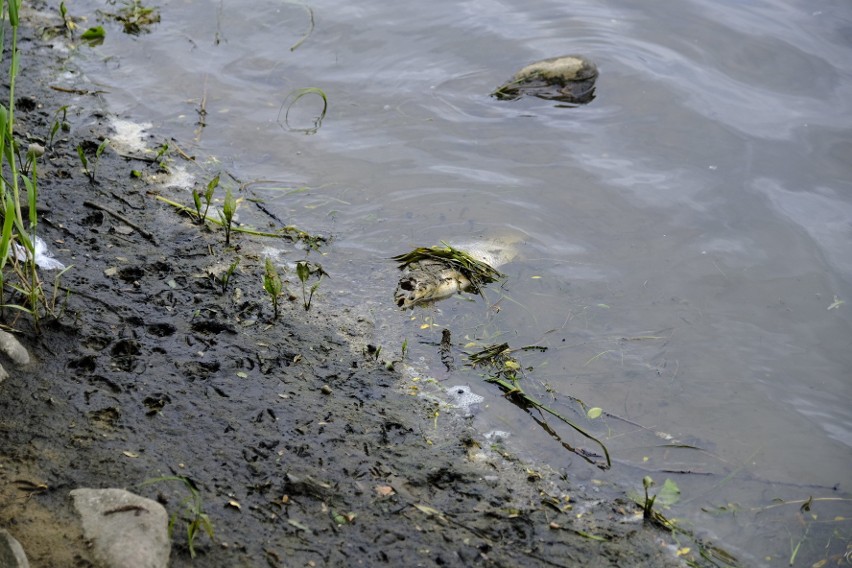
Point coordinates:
[[94, 36], [208, 198], [229, 208], [272, 284], [225, 279], [134, 17], [192, 508], [506, 372], [20, 247], [67, 21], [310, 28], [58, 124], [304, 270], [91, 172], [668, 495], [296, 96], [648, 505], [162, 157], [289, 232]]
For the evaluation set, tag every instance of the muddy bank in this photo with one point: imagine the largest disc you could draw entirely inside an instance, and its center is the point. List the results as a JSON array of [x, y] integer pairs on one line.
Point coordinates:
[[298, 440]]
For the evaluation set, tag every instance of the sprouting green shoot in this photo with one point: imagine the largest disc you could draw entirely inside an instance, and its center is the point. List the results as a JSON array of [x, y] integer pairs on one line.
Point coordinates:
[[58, 124], [229, 208], [207, 197], [226, 277], [304, 270], [162, 157], [67, 21], [192, 512], [208, 193], [196, 201], [272, 284], [404, 349], [90, 167], [84, 161], [648, 506]]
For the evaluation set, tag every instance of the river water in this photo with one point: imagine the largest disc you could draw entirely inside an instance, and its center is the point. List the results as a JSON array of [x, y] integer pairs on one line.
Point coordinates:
[[685, 240]]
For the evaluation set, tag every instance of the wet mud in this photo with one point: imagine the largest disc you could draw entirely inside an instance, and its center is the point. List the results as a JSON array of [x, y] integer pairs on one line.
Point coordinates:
[[300, 443]]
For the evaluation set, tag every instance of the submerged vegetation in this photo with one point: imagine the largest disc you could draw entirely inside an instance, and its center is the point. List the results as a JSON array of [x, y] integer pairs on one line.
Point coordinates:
[[668, 495], [506, 372], [292, 98], [134, 16]]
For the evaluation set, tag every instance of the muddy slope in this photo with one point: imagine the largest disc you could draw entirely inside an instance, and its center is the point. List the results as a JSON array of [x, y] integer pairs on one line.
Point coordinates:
[[302, 448]]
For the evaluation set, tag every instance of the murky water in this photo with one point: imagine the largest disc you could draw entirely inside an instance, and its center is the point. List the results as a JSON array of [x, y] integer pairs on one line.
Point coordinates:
[[687, 237]]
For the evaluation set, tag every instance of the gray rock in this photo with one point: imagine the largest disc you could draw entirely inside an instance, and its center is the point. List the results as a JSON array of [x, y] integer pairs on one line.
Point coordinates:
[[13, 349], [126, 530], [11, 552]]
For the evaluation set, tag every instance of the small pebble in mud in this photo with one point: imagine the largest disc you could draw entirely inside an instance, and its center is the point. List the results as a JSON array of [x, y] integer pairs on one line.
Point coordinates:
[[326, 389]]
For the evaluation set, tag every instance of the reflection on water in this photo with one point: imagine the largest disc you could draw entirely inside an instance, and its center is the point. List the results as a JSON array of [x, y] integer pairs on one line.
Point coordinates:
[[686, 232]]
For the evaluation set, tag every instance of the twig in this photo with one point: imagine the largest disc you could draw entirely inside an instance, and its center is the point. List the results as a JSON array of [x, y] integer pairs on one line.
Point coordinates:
[[147, 234], [76, 91]]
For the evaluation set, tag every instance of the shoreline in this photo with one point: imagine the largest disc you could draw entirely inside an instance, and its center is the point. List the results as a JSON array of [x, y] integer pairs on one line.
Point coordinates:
[[302, 446]]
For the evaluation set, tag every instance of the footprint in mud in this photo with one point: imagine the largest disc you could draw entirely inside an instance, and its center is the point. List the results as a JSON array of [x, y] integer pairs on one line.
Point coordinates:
[[155, 403], [105, 417], [84, 365], [213, 327], [131, 274], [198, 369], [125, 355], [160, 329]]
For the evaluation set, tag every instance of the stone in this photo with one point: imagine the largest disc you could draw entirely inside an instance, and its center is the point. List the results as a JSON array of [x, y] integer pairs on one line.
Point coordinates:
[[126, 530], [13, 349], [11, 552]]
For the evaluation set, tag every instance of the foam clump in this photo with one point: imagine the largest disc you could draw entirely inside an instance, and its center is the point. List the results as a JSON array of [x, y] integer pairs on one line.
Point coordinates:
[[463, 398]]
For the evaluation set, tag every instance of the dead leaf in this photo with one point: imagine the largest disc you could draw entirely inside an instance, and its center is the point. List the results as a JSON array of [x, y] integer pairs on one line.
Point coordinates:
[[297, 524], [130, 454], [384, 490], [429, 511], [27, 485], [234, 505]]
